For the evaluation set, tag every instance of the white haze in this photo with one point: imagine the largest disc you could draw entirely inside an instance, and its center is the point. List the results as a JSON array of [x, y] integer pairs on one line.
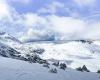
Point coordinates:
[[32, 26]]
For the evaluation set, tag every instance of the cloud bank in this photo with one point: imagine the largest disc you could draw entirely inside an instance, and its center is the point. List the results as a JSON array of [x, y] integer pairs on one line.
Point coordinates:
[[34, 27]]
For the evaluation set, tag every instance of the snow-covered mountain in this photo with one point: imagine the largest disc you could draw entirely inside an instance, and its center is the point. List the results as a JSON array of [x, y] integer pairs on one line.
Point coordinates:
[[8, 39], [74, 54], [9, 52]]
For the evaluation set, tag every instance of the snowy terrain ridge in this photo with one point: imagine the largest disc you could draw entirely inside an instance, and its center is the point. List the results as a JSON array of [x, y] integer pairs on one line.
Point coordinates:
[[8, 39], [43, 55]]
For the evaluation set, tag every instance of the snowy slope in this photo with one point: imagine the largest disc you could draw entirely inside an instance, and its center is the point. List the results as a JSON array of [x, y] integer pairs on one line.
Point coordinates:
[[19, 70], [8, 39], [75, 53], [7, 51]]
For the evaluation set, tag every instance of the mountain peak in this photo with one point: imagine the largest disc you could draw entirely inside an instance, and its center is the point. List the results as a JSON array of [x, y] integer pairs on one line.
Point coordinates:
[[7, 38]]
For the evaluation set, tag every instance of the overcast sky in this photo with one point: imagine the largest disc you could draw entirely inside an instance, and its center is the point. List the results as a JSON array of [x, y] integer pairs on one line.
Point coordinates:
[[50, 19]]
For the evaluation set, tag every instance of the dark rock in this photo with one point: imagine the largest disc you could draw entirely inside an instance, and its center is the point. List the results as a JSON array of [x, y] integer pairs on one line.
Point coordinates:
[[56, 64], [84, 68], [42, 61], [98, 71], [3, 47], [35, 59], [63, 66], [3, 53], [79, 69], [86, 41], [53, 70], [38, 51], [23, 58], [46, 65]]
